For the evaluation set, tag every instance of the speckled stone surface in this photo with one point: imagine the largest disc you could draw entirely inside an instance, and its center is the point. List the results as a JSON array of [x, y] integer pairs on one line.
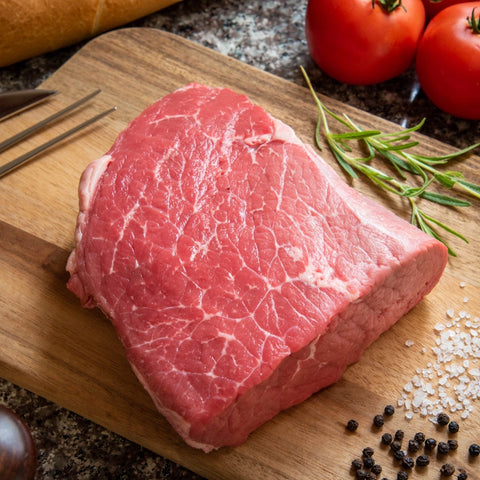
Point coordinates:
[[266, 34]]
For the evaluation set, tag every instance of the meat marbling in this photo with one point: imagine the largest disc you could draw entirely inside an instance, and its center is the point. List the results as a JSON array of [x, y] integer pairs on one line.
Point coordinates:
[[239, 270]]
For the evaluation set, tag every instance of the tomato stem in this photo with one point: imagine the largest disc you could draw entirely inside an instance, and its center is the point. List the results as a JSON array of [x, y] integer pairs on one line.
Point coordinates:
[[388, 5], [474, 23]]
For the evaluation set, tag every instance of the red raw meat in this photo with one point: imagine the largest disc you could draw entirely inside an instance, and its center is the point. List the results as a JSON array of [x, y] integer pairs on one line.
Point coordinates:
[[240, 272]]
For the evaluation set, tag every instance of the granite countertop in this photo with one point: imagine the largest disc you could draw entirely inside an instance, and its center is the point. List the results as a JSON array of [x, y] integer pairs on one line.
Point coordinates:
[[268, 35]]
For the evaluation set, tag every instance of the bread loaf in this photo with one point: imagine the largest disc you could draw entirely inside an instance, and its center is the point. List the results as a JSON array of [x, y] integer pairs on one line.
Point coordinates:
[[32, 27]]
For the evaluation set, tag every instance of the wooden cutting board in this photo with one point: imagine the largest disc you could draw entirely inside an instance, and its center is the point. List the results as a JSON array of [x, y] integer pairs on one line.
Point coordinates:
[[50, 345]]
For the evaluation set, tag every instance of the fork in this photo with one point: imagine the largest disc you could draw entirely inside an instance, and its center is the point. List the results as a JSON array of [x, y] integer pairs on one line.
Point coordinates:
[[22, 159]]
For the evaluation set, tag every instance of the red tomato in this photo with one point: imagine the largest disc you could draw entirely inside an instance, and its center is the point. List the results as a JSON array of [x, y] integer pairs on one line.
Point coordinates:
[[432, 7], [359, 43], [448, 61]]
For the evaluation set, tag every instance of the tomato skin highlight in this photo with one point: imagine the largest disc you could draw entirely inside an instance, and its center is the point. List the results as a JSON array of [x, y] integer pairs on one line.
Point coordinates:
[[360, 45], [448, 62], [432, 8]]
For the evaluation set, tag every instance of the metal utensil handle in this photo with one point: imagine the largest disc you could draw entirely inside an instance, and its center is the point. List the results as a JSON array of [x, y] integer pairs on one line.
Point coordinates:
[[34, 128], [17, 162]]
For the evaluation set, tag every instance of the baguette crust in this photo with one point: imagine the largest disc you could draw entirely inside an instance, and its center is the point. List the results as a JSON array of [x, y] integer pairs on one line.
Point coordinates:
[[33, 27]]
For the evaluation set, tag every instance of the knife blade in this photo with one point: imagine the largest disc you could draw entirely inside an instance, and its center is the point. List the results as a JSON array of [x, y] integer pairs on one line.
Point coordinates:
[[14, 102]]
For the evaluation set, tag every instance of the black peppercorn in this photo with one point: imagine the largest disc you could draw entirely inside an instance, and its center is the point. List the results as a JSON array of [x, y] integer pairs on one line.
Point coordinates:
[[443, 419], [368, 452], [402, 476], [352, 425], [376, 469], [399, 434], [452, 444], [371, 476], [378, 421], [419, 437], [430, 443], [474, 450], [361, 474], [447, 470], [389, 410], [368, 462], [387, 438], [398, 455], [395, 445], [462, 476], [413, 446], [422, 460], [443, 448], [408, 462], [357, 464], [453, 427]]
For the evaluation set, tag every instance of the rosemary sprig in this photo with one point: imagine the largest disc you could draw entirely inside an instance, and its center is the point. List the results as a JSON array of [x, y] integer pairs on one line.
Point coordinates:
[[395, 148]]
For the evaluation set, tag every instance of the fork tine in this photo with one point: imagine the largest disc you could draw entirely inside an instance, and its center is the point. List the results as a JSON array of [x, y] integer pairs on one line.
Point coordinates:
[[15, 163], [9, 142]]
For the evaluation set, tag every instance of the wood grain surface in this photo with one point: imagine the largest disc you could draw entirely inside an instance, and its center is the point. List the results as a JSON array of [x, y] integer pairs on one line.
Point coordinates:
[[50, 345]]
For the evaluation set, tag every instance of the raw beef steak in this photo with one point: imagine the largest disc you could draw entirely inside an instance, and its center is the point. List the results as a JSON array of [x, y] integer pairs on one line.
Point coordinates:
[[240, 272]]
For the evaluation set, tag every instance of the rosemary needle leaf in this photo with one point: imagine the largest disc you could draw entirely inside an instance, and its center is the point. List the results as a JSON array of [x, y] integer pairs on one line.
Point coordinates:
[[355, 135], [345, 146], [402, 146], [445, 227], [447, 157], [423, 225], [401, 133], [445, 199], [399, 164], [396, 137], [470, 187], [345, 165]]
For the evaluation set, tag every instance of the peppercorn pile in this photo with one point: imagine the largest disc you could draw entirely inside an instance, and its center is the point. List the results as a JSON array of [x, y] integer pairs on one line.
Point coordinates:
[[411, 455]]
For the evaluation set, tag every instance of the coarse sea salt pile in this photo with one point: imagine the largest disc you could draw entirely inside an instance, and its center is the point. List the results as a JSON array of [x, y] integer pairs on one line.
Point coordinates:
[[452, 381]]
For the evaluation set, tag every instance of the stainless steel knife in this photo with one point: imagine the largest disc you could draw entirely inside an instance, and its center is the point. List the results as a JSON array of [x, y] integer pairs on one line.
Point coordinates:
[[14, 102]]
